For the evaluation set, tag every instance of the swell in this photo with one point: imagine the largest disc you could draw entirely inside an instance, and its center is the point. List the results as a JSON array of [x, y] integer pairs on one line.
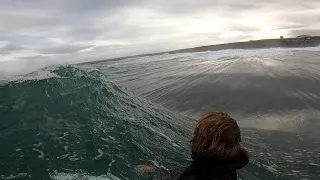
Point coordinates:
[[78, 121], [73, 121]]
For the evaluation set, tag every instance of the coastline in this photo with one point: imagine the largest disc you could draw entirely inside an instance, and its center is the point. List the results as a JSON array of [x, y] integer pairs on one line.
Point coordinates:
[[252, 44]]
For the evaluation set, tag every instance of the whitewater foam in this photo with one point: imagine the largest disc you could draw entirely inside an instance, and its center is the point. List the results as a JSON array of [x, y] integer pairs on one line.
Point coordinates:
[[75, 176]]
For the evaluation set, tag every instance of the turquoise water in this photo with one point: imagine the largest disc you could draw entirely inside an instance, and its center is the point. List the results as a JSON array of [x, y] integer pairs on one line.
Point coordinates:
[[80, 123], [100, 121]]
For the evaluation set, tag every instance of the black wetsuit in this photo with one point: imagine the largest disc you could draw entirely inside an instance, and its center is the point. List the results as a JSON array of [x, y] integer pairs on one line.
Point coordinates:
[[215, 168]]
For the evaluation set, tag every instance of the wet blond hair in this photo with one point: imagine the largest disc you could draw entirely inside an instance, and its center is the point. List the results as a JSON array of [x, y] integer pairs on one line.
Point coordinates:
[[216, 135]]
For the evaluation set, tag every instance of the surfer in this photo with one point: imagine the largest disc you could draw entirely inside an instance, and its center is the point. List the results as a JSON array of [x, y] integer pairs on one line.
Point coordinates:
[[215, 148]]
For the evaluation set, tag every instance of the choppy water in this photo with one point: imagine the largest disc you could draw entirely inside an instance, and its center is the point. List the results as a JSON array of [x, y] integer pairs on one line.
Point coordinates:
[[98, 121]]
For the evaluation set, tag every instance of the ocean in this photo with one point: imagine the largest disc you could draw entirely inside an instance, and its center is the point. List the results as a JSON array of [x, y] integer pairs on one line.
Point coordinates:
[[99, 121]]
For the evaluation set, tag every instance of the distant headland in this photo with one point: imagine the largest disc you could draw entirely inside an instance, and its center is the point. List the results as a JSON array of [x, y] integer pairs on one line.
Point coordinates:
[[299, 41]]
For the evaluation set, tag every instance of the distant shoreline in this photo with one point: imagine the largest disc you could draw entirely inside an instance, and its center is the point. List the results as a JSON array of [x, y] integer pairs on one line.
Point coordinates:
[[252, 44]]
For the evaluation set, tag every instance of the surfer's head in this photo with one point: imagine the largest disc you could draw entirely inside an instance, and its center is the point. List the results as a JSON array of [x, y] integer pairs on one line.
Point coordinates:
[[216, 135]]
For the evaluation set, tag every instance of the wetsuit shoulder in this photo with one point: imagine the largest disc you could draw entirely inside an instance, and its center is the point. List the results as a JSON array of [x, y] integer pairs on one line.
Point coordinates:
[[162, 174], [194, 173]]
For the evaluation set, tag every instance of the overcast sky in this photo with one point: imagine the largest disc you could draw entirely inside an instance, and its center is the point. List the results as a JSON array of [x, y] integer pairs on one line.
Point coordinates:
[[98, 29]]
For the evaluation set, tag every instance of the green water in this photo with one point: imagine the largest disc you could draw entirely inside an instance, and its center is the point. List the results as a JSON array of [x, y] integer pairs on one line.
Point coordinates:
[[78, 125], [81, 123]]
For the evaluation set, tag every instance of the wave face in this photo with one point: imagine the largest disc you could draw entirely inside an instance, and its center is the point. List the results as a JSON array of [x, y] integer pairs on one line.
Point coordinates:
[[272, 89], [80, 123], [98, 121]]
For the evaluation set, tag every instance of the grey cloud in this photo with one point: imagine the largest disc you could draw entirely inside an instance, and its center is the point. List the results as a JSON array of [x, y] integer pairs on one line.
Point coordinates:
[[67, 17], [108, 47], [70, 6], [43, 25], [33, 24], [306, 19], [74, 20], [9, 48], [182, 6], [96, 6], [25, 40], [244, 28], [59, 16], [227, 7], [56, 49], [295, 12], [312, 32], [296, 26], [82, 33], [306, 24], [62, 49], [37, 57]]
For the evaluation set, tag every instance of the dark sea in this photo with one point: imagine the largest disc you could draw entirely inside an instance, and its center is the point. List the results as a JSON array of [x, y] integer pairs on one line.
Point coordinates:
[[99, 121]]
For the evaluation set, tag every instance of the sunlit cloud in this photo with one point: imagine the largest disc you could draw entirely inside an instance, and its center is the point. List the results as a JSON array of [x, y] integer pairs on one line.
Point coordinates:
[[90, 30]]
